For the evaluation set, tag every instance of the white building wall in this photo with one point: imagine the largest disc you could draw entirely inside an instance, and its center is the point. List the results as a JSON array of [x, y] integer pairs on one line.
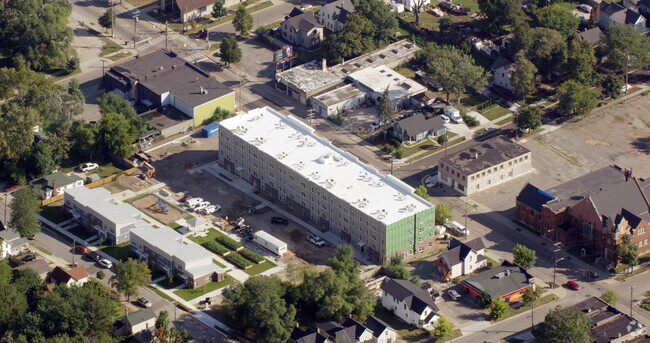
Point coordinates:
[[143, 326], [388, 336], [165, 99], [400, 309], [181, 106]]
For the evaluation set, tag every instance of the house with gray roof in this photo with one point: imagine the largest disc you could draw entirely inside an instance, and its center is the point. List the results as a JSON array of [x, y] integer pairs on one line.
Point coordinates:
[[615, 14], [302, 30], [419, 127], [508, 281], [11, 243], [502, 70], [461, 259], [55, 184], [381, 332], [307, 335], [135, 322], [409, 303], [335, 14], [591, 35]]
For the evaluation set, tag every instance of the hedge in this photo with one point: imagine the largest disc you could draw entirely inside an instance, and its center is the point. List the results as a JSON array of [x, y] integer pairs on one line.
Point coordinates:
[[216, 247], [251, 255], [239, 261], [230, 243]]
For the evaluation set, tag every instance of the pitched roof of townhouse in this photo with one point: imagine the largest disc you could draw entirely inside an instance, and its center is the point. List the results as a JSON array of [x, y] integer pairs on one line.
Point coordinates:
[[340, 9], [141, 316], [342, 332], [534, 197], [102, 201], [610, 8], [376, 325], [416, 298], [63, 276], [484, 155], [500, 62], [307, 336], [78, 273], [459, 250], [418, 123], [359, 328], [295, 11], [9, 235], [163, 71], [496, 283], [592, 35], [303, 22], [47, 183], [607, 323], [191, 5]]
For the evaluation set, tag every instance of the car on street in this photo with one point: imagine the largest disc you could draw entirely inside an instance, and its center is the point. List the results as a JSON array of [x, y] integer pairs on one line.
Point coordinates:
[[279, 221], [317, 241], [593, 275], [427, 287], [28, 258], [573, 285], [105, 263], [202, 33], [453, 294], [81, 249], [89, 166], [186, 198], [11, 187], [93, 256], [142, 301], [444, 118]]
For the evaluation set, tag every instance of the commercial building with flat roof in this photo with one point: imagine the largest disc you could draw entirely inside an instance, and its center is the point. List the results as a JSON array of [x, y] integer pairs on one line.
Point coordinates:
[[608, 324], [484, 165], [377, 79], [339, 100], [380, 215]]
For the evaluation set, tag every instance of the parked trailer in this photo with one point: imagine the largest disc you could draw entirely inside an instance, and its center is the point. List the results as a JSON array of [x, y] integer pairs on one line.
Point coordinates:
[[210, 130], [271, 243]]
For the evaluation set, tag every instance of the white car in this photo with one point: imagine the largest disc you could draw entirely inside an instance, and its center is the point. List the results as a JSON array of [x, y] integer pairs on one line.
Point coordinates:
[[89, 166], [105, 263], [201, 205], [453, 294], [317, 241], [211, 209], [193, 202], [444, 118], [144, 302]]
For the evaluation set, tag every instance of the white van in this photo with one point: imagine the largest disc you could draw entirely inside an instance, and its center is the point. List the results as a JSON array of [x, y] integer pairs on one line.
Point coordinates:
[[453, 114], [458, 228]]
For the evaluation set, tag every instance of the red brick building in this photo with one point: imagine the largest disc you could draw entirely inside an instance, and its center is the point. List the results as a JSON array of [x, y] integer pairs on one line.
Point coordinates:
[[508, 281], [594, 211]]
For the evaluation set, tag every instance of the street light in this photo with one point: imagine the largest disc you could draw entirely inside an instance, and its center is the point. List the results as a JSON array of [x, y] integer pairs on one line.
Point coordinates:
[[532, 304]]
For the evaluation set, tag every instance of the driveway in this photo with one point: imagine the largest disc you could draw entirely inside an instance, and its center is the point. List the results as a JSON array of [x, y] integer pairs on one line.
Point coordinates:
[[463, 311]]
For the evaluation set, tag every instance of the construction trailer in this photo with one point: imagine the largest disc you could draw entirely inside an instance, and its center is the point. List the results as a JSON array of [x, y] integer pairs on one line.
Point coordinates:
[[270, 243]]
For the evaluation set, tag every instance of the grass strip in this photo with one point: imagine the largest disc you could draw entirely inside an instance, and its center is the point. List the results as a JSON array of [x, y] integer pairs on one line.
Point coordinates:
[[230, 243], [251, 255]]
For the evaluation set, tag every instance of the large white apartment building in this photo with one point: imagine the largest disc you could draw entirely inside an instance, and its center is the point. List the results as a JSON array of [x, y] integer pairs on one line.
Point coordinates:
[[379, 215]]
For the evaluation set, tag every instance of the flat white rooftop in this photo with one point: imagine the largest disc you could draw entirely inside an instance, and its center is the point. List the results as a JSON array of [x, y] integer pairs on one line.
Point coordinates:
[[379, 78], [339, 95], [101, 201], [294, 144]]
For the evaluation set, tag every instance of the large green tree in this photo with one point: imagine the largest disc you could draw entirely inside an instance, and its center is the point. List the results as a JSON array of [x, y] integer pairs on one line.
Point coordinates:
[[610, 296], [566, 324], [396, 269], [165, 334], [581, 60], [556, 17], [43, 161], [612, 86], [523, 77], [117, 134], [442, 329], [111, 102], [498, 308], [36, 33], [500, 13], [524, 256], [84, 138], [243, 21], [343, 261], [627, 252], [546, 48], [356, 38], [129, 275], [529, 118], [456, 73], [576, 98], [25, 208], [382, 18], [230, 51], [107, 19], [624, 40], [218, 9], [385, 111], [443, 212], [422, 192], [530, 296], [258, 307]]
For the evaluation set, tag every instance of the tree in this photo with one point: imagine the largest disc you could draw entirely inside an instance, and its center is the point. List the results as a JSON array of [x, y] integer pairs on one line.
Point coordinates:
[[627, 252], [129, 275], [111, 102], [258, 306], [442, 329], [397, 270], [343, 261], [530, 296], [447, 31], [116, 134], [356, 38], [72, 65], [529, 118], [25, 208], [442, 139], [612, 86], [581, 60], [556, 17], [443, 213], [16, 135], [230, 51], [243, 21], [385, 111], [84, 138], [43, 161], [218, 9], [484, 301], [26, 280], [500, 13], [546, 48], [621, 40], [523, 256], [107, 19], [381, 17], [523, 77], [417, 6], [610, 297], [456, 72], [422, 192], [498, 309], [576, 99], [566, 324], [162, 322]]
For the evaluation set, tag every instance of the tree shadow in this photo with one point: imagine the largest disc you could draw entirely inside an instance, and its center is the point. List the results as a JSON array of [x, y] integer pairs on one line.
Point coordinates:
[[642, 144]]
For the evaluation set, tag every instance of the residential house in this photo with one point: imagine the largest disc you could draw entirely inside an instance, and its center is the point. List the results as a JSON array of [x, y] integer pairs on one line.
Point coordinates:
[[302, 30], [97, 210], [502, 70], [595, 211], [409, 303], [347, 332], [192, 9], [76, 276], [335, 14], [615, 14], [410, 5], [135, 322], [484, 165], [55, 184], [11, 243], [161, 78], [644, 8], [418, 127], [608, 324], [164, 249], [591, 35], [508, 281], [461, 259], [381, 332], [307, 335]]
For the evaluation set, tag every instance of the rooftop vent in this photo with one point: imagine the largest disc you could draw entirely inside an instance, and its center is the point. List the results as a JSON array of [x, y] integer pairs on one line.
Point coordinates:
[[300, 165], [500, 275], [260, 140], [363, 202], [382, 55], [394, 51], [281, 125], [401, 196], [315, 175], [241, 130], [369, 60], [281, 155], [381, 214]]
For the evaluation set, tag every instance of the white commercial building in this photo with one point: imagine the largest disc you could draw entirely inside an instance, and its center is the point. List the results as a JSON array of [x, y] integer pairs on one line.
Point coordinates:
[[376, 80], [281, 156], [338, 100]]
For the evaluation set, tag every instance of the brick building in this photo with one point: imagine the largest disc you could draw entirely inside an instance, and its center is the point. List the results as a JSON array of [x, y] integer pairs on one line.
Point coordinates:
[[593, 211]]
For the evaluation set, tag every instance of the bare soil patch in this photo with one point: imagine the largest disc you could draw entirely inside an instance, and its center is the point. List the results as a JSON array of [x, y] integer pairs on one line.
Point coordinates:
[[149, 205]]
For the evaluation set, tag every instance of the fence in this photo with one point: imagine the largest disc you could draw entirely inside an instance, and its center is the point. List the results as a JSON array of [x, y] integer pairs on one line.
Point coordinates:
[[95, 184]]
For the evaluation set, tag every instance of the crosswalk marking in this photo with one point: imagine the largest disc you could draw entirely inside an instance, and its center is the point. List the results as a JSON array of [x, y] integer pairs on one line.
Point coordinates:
[[152, 43]]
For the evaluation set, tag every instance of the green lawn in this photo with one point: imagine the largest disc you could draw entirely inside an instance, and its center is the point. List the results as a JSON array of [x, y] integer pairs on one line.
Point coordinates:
[[405, 71], [259, 268], [140, 3], [120, 252], [568, 6], [81, 232], [492, 262], [506, 121], [495, 112], [109, 47], [211, 236], [456, 141], [40, 248], [56, 214], [428, 256], [136, 198], [166, 285], [214, 46], [187, 217], [120, 55], [543, 300], [106, 170], [637, 270], [424, 145], [219, 264], [405, 332], [161, 293], [189, 294]]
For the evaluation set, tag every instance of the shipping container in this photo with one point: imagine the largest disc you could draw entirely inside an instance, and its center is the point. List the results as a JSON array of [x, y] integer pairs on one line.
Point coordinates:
[[270, 243], [211, 129]]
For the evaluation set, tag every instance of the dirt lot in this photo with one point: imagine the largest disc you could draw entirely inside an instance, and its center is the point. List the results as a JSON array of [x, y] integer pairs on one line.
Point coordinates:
[[149, 206], [618, 135]]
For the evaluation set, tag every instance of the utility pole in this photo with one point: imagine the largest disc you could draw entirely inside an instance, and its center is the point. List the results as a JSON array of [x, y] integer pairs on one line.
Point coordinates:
[[5, 222], [207, 36], [240, 82], [555, 260], [112, 19], [466, 203], [532, 305], [74, 246], [627, 58], [135, 29], [166, 34], [310, 115], [103, 73], [631, 298]]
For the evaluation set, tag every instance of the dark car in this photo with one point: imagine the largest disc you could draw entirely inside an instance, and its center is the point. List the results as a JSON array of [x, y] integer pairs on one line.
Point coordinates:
[[11, 187], [200, 34], [93, 256], [186, 198], [28, 258], [592, 274], [279, 221]]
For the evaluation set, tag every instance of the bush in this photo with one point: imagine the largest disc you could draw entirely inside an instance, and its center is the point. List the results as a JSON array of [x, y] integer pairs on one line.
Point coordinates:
[[101, 275], [72, 65], [194, 25], [230, 243], [216, 247], [251, 255], [469, 120], [238, 260], [455, 281], [261, 30]]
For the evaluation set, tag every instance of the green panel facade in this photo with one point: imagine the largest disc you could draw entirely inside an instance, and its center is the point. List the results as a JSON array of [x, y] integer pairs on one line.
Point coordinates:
[[425, 226], [202, 112], [404, 234]]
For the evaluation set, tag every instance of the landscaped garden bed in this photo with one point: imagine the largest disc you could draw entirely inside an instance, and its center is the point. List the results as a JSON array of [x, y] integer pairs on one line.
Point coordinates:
[[239, 261], [230, 243], [216, 247], [253, 256]]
